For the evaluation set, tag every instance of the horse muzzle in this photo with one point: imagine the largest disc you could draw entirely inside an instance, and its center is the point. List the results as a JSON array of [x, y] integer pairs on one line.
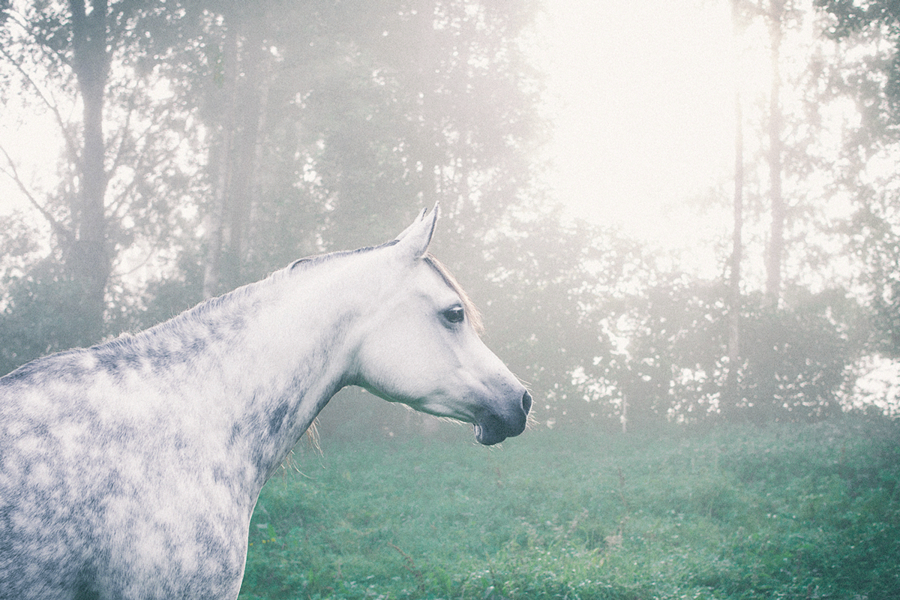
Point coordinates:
[[492, 428]]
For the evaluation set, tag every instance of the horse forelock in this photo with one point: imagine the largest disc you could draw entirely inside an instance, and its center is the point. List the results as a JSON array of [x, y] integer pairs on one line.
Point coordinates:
[[472, 311]]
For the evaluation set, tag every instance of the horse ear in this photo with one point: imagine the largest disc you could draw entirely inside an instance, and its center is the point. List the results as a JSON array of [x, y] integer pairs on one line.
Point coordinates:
[[413, 241]]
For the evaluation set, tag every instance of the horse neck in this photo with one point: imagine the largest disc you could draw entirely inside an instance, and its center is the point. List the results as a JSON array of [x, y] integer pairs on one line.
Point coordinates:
[[272, 355]]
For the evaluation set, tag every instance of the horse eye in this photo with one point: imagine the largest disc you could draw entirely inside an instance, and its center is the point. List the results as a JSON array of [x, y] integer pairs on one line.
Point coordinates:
[[455, 315]]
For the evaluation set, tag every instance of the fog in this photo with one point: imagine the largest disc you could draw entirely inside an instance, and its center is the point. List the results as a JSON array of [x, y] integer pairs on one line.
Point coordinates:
[[678, 220]]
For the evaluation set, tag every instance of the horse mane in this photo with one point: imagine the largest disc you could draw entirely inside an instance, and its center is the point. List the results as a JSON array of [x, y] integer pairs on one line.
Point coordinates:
[[471, 310], [311, 261]]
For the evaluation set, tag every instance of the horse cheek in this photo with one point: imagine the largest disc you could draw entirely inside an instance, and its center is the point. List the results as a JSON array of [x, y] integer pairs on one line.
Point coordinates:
[[391, 368]]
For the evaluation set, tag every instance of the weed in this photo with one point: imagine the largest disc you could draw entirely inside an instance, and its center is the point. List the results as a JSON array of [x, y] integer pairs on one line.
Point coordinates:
[[791, 511]]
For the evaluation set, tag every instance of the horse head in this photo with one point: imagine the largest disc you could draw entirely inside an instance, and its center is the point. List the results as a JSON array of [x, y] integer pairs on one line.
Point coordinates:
[[420, 345]]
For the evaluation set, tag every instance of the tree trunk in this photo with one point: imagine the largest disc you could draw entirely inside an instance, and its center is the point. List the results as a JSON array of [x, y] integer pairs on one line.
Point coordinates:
[[250, 92], [255, 185], [88, 261], [732, 389], [218, 219], [245, 94], [776, 232], [734, 283]]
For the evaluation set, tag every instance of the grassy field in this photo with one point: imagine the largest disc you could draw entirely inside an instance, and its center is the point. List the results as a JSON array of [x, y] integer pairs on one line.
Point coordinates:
[[785, 511]]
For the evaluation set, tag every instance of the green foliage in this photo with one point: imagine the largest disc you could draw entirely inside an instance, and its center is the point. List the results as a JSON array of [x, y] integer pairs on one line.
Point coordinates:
[[37, 318], [546, 289], [851, 19], [672, 359], [799, 511], [797, 357], [867, 71]]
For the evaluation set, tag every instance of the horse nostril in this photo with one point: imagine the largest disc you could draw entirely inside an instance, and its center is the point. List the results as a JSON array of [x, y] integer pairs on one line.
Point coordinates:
[[526, 403]]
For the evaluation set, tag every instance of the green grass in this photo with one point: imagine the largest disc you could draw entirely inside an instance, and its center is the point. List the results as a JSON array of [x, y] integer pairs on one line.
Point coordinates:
[[786, 511]]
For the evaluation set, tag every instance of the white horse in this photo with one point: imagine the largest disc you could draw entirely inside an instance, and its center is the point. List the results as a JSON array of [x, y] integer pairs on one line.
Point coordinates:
[[130, 470]]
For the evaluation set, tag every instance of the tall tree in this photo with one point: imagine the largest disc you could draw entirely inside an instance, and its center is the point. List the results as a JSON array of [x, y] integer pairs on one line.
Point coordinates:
[[223, 202], [732, 390], [870, 33], [119, 164], [89, 258], [321, 128], [350, 116], [775, 251]]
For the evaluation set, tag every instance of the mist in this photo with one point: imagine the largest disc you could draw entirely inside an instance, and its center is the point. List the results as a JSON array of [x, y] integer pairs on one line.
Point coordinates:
[[698, 287]]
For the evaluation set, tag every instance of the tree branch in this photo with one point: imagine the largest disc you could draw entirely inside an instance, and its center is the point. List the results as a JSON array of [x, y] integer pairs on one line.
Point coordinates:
[[13, 173], [71, 147]]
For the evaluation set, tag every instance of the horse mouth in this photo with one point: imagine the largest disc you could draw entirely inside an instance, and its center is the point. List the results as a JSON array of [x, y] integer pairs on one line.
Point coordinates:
[[488, 436], [492, 429]]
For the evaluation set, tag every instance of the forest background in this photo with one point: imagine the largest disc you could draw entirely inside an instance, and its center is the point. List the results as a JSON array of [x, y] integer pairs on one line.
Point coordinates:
[[204, 144]]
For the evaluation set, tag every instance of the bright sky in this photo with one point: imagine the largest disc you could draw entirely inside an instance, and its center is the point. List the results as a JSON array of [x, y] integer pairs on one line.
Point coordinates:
[[643, 94]]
